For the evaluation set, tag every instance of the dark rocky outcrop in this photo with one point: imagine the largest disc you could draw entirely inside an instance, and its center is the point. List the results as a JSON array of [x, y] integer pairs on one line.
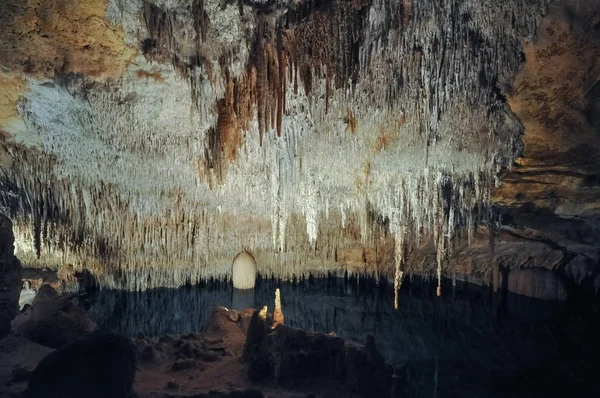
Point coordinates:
[[99, 365], [293, 357], [10, 276], [53, 320]]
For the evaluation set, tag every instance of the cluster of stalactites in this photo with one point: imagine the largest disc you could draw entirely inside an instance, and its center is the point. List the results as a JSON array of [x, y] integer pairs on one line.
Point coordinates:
[[343, 117], [436, 210]]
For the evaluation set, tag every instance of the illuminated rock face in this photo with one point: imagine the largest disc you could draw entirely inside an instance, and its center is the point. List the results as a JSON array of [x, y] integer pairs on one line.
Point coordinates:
[[323, 136]]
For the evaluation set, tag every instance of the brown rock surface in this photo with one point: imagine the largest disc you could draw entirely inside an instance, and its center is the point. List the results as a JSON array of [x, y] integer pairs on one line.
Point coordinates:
[[43, 37], [52, 320], [548, 203]]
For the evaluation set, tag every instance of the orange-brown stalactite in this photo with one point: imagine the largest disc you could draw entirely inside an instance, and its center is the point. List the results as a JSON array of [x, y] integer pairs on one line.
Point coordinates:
[[283, 95], [351, 122], [155, 75], [404, 12], [327, 89], [261, 77]]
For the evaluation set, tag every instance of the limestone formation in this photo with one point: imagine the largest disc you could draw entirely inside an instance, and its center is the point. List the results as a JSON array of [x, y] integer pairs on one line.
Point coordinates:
[[243, 273], [151, 145], [278, 318]]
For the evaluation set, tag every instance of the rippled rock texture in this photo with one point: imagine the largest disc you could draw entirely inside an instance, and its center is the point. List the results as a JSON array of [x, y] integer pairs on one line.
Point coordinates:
[[150, 141]]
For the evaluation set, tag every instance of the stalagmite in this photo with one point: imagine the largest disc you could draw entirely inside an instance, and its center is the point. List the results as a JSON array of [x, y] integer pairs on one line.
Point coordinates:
[[278, 318]]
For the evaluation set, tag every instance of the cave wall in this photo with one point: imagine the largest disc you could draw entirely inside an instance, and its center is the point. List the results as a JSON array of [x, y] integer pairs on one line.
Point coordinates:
[[149, 142], [10, 277], [547, 206]]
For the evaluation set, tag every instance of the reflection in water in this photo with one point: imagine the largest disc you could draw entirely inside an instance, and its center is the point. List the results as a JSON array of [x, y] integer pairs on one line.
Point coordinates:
[[471, 343]]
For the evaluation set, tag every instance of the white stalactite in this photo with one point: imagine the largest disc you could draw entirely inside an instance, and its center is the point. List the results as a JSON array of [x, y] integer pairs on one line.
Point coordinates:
[[111, 178]]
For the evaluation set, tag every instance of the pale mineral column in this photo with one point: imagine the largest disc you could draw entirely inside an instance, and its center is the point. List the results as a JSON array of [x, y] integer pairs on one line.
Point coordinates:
[[244, 271], [278, 318]]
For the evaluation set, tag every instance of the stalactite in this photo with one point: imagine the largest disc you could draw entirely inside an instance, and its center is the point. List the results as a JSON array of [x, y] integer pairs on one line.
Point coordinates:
[[392, 116], [399, 258]]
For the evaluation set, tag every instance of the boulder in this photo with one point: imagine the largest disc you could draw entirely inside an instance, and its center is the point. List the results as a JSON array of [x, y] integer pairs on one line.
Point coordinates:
[[300, 356], [52, 320], [99, 365], [294, 357], [10, 276]]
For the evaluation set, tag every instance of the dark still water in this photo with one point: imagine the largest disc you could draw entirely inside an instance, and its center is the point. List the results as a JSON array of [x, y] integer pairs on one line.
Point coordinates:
[[470, 342]]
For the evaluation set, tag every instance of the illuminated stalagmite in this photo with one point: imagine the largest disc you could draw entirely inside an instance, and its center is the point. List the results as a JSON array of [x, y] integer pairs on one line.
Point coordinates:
[[324, 136]]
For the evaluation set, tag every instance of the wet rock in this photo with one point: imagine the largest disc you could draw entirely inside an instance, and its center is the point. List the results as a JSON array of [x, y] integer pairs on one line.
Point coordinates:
[[182, 364], [53, 320], [537, 283], [98, 365], [10, 276]]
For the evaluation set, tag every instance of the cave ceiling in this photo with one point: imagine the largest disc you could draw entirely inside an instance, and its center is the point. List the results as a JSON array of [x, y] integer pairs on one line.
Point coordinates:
[[149, 142]]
